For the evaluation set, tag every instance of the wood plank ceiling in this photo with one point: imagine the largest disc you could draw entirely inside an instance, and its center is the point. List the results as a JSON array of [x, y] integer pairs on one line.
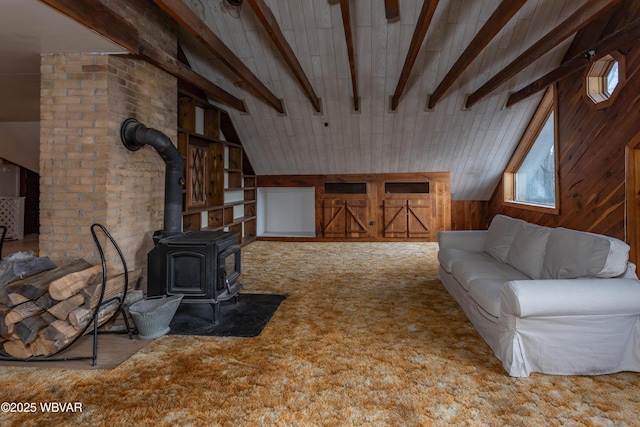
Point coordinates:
[[384, 86]]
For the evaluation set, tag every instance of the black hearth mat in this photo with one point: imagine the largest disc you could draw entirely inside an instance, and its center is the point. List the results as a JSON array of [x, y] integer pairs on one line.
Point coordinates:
[[246, 318]]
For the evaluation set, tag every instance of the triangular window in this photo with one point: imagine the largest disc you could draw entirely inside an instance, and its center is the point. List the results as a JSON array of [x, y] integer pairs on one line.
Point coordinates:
[[535, 178], [530, 178]]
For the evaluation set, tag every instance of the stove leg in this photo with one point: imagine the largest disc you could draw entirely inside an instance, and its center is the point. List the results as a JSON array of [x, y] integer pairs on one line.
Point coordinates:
[[216, 311]]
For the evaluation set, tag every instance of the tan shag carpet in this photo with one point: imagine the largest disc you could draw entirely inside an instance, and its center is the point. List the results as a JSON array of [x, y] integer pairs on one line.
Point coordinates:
[[367, 336]]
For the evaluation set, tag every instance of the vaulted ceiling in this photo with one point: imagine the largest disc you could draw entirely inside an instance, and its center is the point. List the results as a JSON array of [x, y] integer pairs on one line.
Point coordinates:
[[430, 129], [287, 72]]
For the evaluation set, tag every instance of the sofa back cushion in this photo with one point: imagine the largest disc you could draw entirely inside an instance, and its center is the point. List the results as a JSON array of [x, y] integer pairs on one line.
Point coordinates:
[[527, 252], [502, 231], [571, 254]]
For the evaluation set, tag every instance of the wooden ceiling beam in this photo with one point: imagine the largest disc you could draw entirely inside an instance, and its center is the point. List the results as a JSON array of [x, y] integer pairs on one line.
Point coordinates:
[[503, 13], [422, 25], [95, 15], [346, 23], [579, 19], [616, 40], [391, 9], [269, 22], [188, 20]]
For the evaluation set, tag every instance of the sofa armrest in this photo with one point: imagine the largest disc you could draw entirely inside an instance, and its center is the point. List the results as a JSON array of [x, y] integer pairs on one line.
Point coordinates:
[[471, 240], [570, 297]]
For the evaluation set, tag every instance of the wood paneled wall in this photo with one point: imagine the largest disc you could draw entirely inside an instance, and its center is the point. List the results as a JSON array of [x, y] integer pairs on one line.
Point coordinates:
[[369, 210], [591, 143], [469, 215]]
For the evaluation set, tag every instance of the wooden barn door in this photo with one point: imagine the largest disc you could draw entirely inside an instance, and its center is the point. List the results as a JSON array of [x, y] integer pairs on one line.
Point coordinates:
[[345, 218], [407, 218], [419, 217], [395, 217]]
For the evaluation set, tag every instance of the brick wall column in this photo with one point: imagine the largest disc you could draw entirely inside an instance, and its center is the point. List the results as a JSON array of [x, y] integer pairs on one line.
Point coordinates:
[[87, 175]]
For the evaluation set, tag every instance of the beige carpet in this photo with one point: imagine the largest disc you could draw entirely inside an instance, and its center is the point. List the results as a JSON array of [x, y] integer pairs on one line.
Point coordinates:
[[367, 336]]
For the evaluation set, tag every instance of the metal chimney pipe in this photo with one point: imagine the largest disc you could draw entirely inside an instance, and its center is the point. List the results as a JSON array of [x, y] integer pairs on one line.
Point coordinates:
[[135, 135]]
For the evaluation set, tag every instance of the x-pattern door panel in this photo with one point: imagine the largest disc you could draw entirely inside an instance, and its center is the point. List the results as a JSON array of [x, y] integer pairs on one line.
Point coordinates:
[[345, 218], [407, 218], [395, 218], [419, 214]]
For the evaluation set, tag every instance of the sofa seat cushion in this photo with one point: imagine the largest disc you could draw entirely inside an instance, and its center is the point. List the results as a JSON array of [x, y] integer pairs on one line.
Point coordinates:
[[447, 256], [571, 254], [467, 271], [486, 293]]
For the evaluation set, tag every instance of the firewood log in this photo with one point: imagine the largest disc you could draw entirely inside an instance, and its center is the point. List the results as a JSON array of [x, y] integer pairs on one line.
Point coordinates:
[[21, 265], [41, 281], [81, 316], [14, 299], [46, 302], [72, 283], [28, 329], [60, 330], [4, 328], [6, 290], [114, 286], [39, 347], [17, 348], [34, 287], [63, 308], [48, 317], [46, 347], [22, 311]]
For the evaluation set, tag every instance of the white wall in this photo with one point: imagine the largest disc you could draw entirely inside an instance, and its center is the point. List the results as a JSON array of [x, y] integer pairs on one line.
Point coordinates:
[[20, 144], [286, 211]]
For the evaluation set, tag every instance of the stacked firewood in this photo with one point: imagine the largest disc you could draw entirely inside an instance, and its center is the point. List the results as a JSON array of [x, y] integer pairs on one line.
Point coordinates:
[[42, 313]]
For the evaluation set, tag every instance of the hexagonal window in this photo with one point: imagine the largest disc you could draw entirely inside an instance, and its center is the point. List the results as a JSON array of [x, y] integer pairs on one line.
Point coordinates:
[[604, 79]]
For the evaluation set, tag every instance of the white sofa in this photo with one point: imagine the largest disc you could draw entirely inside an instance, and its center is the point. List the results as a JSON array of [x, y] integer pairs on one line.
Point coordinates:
[[548, 300]]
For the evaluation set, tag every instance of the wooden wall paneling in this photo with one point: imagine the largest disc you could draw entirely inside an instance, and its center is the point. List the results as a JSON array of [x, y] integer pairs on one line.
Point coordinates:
[[632, 180], [364, 216], [191, 222], [469, 215], [591, 145], [186, 114], [443, 203]]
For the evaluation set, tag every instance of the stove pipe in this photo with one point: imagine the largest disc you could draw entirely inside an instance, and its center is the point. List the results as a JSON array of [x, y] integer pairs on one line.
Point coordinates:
[[134, 136]]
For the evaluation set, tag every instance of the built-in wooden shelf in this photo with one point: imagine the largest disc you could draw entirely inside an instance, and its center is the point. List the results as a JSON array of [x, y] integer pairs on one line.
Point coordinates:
[[217, 195]]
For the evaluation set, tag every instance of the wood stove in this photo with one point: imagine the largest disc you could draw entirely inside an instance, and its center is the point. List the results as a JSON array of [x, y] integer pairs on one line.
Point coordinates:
[[204, 266]]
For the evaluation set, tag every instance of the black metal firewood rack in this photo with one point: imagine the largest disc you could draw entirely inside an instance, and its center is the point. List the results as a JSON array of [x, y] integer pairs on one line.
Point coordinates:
[[54, 357]]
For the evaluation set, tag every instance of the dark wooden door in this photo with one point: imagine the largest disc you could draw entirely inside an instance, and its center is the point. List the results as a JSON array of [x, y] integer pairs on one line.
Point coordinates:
[[30, 190]]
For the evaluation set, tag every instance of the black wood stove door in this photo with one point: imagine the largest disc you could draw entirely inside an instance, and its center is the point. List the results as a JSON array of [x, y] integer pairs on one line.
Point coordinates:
[[190, 273]]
